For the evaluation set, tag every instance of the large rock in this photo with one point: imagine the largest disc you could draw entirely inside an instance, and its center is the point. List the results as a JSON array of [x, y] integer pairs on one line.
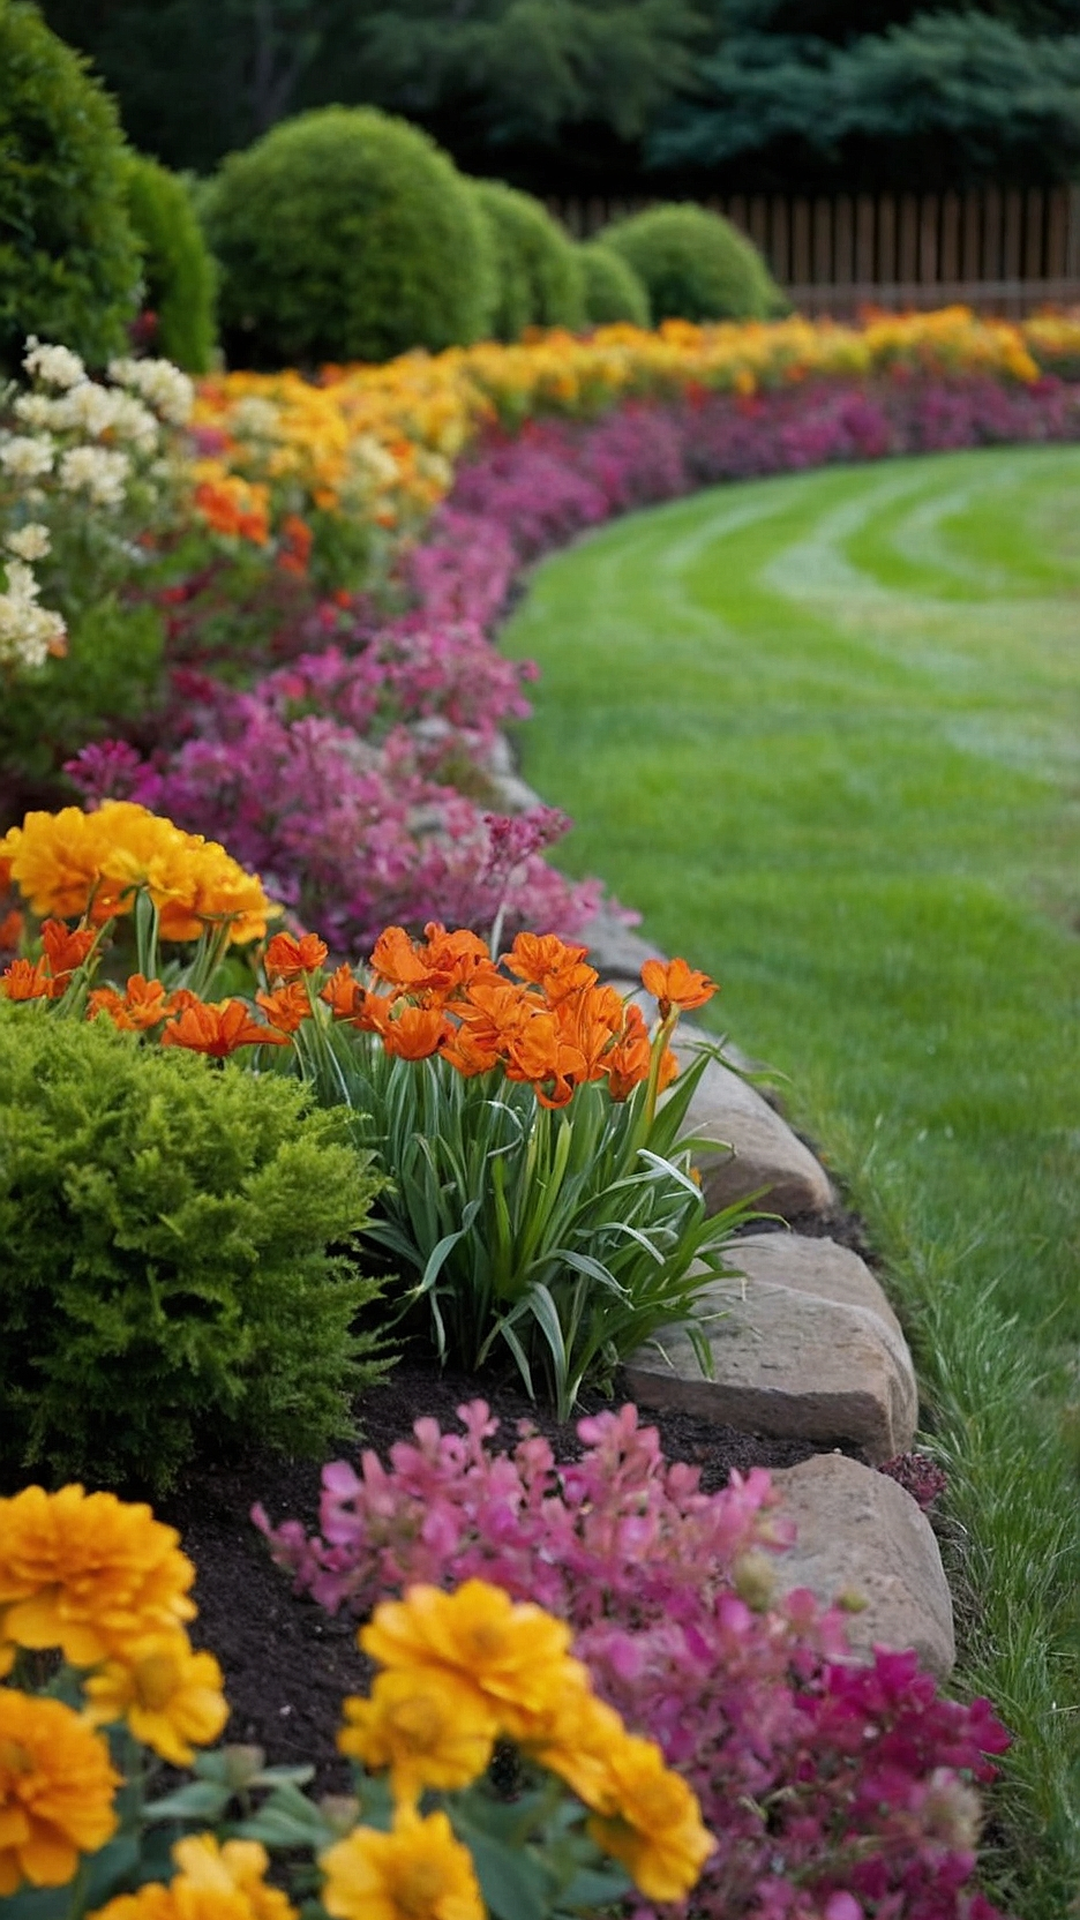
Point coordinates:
[[860, 1537], [757, 1152], [807, 1347]]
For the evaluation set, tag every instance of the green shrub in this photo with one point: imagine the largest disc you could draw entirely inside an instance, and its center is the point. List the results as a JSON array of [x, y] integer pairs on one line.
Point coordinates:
[[176, 1241], [346, 235], [540, 280], [695, 265], [177, 265], [613, 291], [69, 263]]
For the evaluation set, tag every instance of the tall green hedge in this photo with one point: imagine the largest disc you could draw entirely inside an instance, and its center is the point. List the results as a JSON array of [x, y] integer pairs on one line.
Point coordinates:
[[613, 290], [540, 278], [345, 234], [178, 269], [69, 261], [695, 265], [176, 1256]]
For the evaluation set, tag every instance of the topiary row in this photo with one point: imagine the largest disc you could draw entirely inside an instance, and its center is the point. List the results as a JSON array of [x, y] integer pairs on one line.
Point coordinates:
[[342, 234]]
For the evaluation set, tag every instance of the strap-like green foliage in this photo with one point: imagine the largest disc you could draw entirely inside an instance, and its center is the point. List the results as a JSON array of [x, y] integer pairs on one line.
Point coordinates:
[[695, 265], [541, 282], [347, 235], [177, 1256], [613, 291], [181, 281], [69, 264]]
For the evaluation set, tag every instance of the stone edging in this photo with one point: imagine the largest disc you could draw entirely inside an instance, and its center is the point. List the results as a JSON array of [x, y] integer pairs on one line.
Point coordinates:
[[805, 1345]]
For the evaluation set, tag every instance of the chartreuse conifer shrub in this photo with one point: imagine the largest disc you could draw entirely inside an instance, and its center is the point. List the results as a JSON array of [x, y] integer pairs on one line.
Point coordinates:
[[539, 273], [345, 234], [178, 1257], [178, 269], [695, 265], [69, 262], [613, 291]]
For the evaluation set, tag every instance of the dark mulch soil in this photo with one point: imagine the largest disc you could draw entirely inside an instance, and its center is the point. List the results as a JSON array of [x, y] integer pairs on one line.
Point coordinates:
[[287, 1663]]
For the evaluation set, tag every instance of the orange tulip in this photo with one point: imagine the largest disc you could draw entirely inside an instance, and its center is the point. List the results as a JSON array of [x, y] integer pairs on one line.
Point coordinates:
[[674, 984], [287, 1007], [142, 1005], [219, 1030], [288, 958], [343, 993], [416, 1032], [64, 951], [26, 980], [629, 1060], [11, 929]]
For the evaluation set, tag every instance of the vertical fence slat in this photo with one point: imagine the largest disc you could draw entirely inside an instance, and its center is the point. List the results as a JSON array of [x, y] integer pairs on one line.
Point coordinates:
[[757, 222], [843, 243], [1033, 234], [971, 249], [1057, 233], [928, 240], [865, 225], [780, 243], [887, 263], [990, 263], [823, 274], [907, 264], [737, 211], [949, 258], [800, 242]]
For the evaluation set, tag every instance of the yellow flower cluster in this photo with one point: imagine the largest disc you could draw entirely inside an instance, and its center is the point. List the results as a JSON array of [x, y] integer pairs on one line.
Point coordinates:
[[462, 1670], [378, 442], [212, 1882], [105, 1584], [74, 863]]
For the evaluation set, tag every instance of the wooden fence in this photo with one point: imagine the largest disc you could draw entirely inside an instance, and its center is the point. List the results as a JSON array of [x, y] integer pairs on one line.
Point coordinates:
[[1000, 251]]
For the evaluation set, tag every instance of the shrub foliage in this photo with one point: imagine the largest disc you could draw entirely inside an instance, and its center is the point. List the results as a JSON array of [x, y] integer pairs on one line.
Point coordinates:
[[540, 278], [347, 235], [177, 1242], [613, 291], [178, 269], [69, 263], [695, 265]]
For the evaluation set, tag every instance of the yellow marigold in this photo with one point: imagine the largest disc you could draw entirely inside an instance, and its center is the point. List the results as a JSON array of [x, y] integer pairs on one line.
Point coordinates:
[[512, 1656], [427, 1728], [575, 1743], [87, 1573], [652, 1822], [56, 1791], [71, 862], [212, 1882], [170, 1696], [417, 1872]]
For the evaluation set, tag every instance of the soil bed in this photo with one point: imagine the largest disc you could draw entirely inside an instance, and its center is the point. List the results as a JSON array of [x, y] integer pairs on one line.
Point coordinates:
[[288, 1663]]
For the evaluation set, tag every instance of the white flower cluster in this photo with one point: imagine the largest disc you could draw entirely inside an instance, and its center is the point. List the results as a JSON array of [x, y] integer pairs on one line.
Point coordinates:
[[99, 472], [163, 386], [28, 633]]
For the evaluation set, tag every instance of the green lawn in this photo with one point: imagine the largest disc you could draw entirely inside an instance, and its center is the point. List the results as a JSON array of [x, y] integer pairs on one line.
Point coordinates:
[[824, 731]]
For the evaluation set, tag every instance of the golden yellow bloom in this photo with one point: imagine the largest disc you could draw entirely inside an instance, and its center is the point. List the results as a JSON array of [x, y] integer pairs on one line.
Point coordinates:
[[212, 1883], [417, 1872], [512, 1656], [71, 863], [87, 1573], [56, 1791], [575, 1743], [425, 1726], [652, 1823], [169, 1695]]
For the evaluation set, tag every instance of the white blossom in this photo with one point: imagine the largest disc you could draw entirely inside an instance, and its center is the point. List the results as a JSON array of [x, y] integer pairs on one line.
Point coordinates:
[[99, 472], [26, 456], [163, 386], [255, 418], [56, 366], [34, 409], [28, 633], [30, 542]]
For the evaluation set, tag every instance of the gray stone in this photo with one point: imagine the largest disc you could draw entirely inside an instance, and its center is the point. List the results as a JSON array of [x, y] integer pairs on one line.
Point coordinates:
[[806, 1347], [757, 1152], [616, 951], [859, 1535]]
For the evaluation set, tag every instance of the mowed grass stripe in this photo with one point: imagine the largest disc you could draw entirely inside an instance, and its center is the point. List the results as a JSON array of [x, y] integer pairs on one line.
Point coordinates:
[[824, 731]]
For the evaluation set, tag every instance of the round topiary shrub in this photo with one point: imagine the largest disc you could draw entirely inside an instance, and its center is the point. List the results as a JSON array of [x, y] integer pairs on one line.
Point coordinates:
[[695, 265], [69, 262], [176, 1240], [613, 290], [178, 269], [540, 279], [345, 234]]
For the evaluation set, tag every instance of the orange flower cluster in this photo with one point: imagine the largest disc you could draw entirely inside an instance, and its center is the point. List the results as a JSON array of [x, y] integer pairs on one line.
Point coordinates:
[[552, 1025], [56, 1792], [230, 504], [212, 1882], [75, 863]]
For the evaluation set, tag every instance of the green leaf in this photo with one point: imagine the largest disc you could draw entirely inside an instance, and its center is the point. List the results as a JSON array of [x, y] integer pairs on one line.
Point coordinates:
[[196, 1800]]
